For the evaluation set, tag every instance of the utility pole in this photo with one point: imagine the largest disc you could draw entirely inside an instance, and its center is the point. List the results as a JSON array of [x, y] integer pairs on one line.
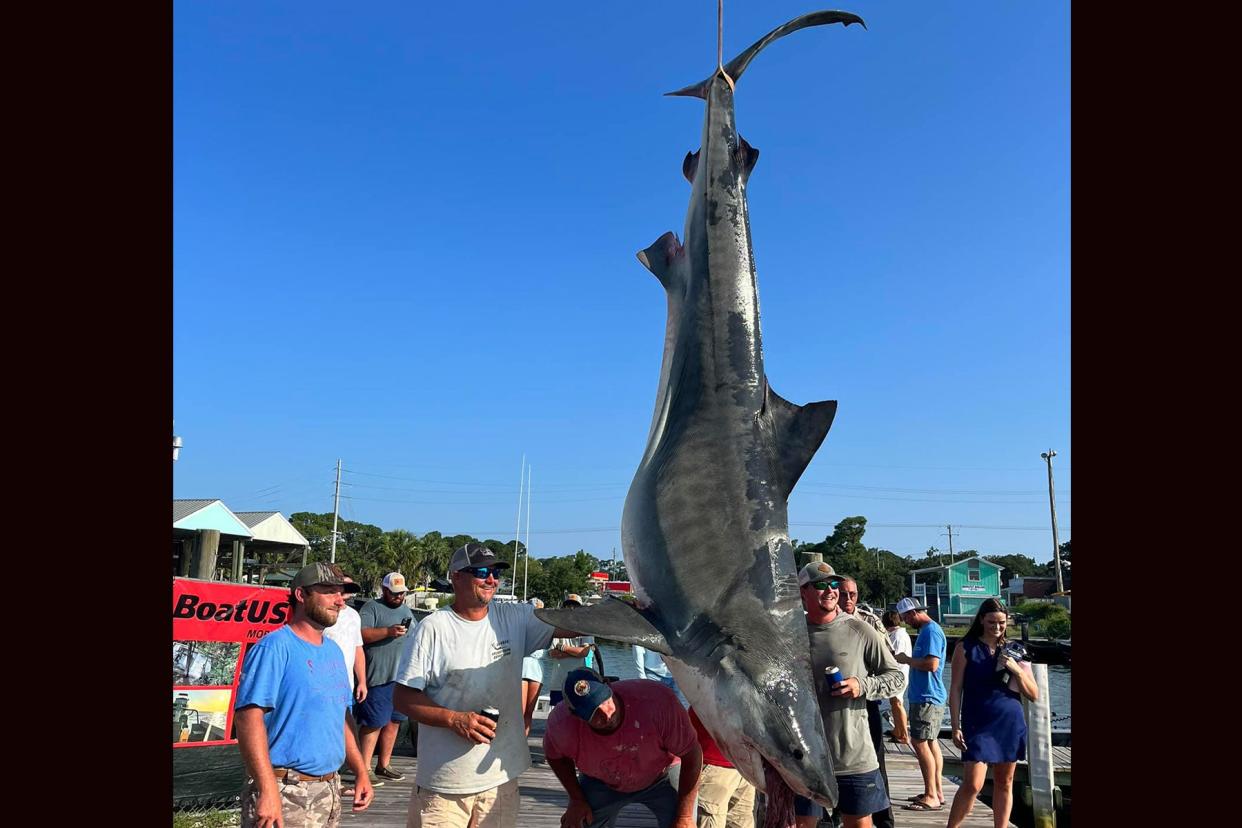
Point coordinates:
[[336, 508], [176, 445], [951, 534], [1052, 507]]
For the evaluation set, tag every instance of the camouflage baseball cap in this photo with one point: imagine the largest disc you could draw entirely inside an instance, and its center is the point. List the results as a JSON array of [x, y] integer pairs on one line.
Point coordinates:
[[322, 573], [816, 571]]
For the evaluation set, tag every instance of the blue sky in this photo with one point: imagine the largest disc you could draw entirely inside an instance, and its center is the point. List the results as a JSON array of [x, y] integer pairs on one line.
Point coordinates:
[[404, 236]]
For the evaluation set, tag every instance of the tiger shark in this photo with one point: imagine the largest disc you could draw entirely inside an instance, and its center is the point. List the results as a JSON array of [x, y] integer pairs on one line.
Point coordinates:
[[705, 529]]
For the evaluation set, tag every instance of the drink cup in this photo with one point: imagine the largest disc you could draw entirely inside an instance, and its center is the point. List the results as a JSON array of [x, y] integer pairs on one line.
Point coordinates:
[[491, 713]]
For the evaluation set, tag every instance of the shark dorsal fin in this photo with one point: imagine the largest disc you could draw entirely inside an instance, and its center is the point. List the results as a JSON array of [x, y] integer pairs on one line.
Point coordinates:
[[797, 431], [690, 166], [666, 258], [611, 618]]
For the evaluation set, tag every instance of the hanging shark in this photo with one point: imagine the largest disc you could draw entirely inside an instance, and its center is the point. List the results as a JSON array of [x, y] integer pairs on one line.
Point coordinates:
[[705, 530]]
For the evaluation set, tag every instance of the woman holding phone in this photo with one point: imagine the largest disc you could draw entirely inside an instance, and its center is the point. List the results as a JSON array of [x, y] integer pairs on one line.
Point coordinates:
[[985, 711]]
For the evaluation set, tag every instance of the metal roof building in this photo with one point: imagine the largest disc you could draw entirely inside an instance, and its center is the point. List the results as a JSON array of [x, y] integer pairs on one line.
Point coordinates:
[[212, 541]]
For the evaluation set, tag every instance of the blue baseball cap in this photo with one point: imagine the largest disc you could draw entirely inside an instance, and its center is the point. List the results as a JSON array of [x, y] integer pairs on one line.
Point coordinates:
[[585, 693]]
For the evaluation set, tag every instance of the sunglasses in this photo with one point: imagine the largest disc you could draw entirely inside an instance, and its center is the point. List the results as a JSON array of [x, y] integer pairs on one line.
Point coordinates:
[[822, 585], [481, 572]]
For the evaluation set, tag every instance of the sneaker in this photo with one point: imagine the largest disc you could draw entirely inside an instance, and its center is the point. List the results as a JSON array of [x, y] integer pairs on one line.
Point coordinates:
[[375, 780], [389, 773]]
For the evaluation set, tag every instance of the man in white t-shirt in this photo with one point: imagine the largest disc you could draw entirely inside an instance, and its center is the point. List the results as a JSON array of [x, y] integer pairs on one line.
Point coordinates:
[[347, 633], [899, 641], [463, 660]]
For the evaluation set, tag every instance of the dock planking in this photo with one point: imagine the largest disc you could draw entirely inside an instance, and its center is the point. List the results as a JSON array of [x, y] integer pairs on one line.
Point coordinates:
[[1061, 757]]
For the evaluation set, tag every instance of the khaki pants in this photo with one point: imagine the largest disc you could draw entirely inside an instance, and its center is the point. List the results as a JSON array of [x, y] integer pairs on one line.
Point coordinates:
[[302, 804], [494, 808], [725, 799]]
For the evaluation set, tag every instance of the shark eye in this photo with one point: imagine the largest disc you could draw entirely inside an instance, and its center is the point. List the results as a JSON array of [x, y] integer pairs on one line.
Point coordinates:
[[797, 754]]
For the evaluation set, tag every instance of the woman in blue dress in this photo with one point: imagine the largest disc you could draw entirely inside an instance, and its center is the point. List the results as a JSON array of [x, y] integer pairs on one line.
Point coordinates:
[[985, 712]]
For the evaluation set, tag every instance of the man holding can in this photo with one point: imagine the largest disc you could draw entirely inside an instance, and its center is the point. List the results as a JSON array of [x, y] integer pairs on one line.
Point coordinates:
[[849, 605], [461, 679], [862, 668]]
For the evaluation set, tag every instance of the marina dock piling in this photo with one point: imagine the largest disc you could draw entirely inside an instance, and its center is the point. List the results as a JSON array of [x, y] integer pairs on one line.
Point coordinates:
[[1039, 751]]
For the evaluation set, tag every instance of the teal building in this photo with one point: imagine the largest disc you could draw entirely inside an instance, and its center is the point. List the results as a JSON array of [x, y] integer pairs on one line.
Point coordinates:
[[962, 587]]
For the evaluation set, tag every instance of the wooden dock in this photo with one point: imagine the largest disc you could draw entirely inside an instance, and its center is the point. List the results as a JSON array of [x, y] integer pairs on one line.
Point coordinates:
[[953, 761], [544, 800]]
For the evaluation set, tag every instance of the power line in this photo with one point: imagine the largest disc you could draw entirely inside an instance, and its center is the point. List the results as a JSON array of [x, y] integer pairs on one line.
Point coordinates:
[[505, 532], [473, 502], [999, 492]]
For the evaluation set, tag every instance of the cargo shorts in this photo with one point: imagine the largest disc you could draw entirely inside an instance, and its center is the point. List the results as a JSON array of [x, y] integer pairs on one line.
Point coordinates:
[[494, 808], [303, 804], [925, 719]]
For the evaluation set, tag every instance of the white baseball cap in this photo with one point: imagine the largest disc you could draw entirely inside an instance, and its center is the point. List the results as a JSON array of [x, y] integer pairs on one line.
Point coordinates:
[[395, 582], [908, 605]]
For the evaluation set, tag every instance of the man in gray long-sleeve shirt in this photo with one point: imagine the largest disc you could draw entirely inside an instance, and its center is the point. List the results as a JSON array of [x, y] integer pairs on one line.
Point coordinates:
[[870, 672]]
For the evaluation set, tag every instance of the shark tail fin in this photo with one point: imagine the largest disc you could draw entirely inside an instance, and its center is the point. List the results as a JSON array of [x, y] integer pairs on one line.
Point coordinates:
[[798, 431], [738, 65], [612, 618]]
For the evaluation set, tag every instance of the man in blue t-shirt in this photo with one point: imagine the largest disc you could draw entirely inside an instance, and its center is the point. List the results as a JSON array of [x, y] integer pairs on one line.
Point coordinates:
[[927, 697], [290, 713]]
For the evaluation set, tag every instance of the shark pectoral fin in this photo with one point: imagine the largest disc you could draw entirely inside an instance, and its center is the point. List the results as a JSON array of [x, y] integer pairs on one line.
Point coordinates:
[[798, 431], [611, 618], [661, 257]]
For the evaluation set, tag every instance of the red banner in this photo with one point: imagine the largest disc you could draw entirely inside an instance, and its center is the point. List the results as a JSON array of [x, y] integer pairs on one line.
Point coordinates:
[[221, 611]]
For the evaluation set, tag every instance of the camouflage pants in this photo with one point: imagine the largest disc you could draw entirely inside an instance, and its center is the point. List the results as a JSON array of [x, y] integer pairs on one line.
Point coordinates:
[[302, 804]]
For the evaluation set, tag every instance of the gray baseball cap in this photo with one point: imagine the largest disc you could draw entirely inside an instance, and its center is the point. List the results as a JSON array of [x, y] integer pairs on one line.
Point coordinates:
[[475, 554]]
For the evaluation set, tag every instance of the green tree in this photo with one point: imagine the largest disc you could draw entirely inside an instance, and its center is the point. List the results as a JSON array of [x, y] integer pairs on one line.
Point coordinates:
[[437, 550], [405, 551], [585, 562], [557, 577], [1016, 566]]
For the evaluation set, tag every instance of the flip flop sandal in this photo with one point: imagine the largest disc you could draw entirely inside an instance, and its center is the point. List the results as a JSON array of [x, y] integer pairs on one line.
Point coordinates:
[[921, 806], [347, 791]]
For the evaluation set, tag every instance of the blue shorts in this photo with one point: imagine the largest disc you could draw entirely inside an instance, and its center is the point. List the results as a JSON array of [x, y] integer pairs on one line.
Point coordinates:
[[376, 709], [860, 794], [807, 807]]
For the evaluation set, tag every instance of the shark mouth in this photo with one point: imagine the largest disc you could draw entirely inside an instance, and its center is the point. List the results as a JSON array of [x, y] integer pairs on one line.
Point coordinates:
[[779, 812]]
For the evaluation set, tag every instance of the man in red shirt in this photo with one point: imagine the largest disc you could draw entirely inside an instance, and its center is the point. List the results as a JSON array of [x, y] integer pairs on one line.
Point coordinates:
[[725, 797], [622, 738]]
